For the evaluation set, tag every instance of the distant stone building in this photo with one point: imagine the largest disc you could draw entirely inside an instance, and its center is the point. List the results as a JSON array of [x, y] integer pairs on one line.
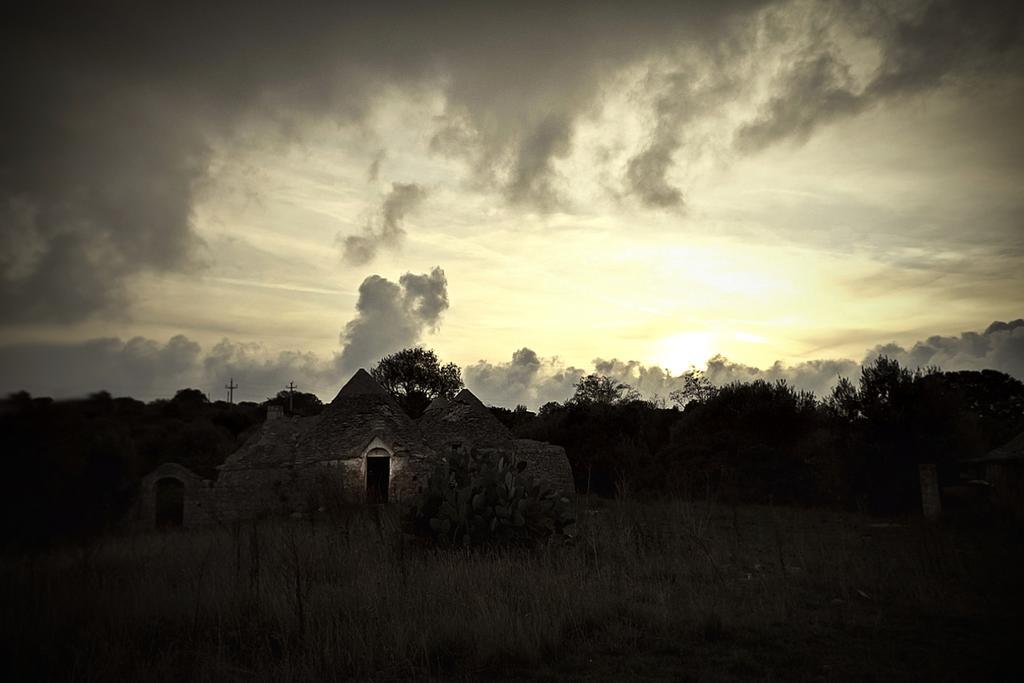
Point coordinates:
[[1002, 469], [362, 448], [172, 495]]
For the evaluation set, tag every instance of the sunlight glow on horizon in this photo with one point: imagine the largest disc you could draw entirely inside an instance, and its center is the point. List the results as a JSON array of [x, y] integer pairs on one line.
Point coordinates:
[[682, 351]]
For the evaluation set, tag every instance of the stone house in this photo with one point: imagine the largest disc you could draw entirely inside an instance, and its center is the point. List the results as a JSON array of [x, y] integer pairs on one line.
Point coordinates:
[[362, 448]]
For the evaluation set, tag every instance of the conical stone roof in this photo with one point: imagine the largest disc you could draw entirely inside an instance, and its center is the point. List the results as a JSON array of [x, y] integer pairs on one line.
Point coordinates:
[[467, 396], [272, 445], [361, 384], [1013, 450], [362, 410], [435, 410], [465, 421]]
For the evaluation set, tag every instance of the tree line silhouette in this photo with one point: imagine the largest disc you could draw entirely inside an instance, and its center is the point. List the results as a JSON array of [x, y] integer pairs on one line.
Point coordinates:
[[763, 442], [72, 468]]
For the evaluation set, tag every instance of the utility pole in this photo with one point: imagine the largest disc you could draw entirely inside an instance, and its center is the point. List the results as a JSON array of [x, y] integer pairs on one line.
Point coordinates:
[[231, 386], [291, 396]]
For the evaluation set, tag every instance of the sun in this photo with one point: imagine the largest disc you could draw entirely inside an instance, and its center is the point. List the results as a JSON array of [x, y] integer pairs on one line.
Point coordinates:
[[681, 351]]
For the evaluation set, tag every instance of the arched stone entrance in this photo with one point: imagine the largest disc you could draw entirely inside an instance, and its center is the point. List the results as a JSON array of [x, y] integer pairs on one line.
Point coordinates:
[[378, 475], [169, 499]]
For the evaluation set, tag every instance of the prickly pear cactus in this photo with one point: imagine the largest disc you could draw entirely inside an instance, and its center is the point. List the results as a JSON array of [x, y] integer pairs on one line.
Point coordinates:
[[483, 500]]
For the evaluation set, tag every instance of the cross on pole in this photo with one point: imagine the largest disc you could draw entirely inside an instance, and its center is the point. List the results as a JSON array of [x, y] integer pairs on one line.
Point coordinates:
[[291, 396], [231, 386]]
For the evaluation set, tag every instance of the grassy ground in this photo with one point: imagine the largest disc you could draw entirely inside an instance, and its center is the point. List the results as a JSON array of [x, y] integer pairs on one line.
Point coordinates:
[[664, 591]]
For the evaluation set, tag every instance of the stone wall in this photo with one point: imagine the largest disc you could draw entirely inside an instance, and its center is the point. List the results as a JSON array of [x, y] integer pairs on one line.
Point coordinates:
[[255, 492], [546, 461], [406, 479], [326, 485]]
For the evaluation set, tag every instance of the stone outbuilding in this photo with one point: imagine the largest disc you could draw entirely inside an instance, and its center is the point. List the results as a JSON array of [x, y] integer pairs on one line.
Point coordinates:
[[1002, 469], [172, 496], [362, 448]]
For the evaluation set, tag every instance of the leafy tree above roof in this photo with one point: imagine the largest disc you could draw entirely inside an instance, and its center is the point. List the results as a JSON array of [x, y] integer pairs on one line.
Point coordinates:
[[415, 377]]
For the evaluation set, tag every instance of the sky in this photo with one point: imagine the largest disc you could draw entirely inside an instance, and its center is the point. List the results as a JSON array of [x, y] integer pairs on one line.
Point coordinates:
[[784, 190]]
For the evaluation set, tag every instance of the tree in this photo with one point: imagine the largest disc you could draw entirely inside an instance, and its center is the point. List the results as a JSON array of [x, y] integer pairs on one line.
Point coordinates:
[[894, 420], [756, 441], [885, 389], [601, 390], [512, 418], [299, 403], [844, 401], [548, 409], [415, 377], [190, 397], [696, 387]]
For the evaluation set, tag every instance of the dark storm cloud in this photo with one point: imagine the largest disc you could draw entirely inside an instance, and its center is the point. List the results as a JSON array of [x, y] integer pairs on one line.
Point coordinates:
[[683, 97], [260, 375], [391, 316], [112, 111], [504, 383], [816, 91], [645, 173], [527, 379], [818, 376], [532, 178], [426, 296], [147, 369], [944, 43], [999, 347], [385, 230], [137, 367], [650, 380], [85, 203]]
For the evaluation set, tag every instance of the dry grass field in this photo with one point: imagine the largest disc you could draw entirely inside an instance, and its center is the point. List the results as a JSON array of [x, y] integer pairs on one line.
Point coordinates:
[[662, 591]]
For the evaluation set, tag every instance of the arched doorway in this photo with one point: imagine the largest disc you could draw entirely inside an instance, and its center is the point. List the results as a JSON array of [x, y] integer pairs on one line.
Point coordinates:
[[169, 494], [378, 475]]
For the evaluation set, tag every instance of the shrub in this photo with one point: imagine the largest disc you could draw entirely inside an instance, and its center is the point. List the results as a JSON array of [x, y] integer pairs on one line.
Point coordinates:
[[479, 500]]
